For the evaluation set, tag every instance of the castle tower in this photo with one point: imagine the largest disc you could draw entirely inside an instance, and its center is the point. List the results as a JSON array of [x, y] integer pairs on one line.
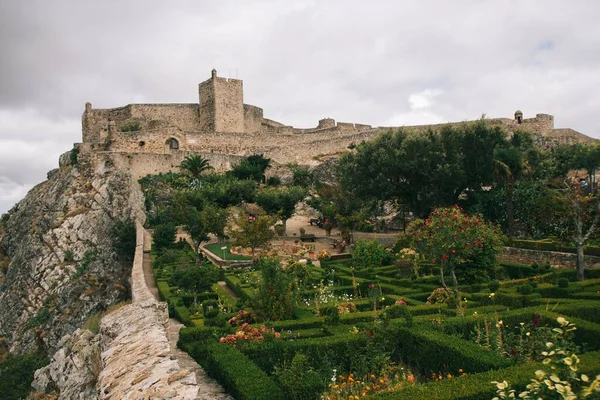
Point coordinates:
[[221, 104]]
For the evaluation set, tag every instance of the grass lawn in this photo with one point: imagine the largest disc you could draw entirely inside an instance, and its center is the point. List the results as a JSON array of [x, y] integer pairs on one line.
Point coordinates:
[[216, 250]]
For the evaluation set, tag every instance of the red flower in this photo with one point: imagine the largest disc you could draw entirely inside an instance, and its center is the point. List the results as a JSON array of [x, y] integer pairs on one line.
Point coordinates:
[[433, 261]]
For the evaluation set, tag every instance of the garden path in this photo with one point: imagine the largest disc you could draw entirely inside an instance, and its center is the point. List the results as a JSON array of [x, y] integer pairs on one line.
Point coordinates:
[[226, 288], [208, 388]]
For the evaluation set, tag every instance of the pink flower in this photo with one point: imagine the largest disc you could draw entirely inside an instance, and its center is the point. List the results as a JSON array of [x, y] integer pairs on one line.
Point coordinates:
[[410, 378]]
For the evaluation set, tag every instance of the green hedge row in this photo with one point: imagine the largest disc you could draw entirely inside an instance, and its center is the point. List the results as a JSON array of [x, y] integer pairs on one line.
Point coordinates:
[[236, 285], [428, 350], [478, 386], [235, 372]]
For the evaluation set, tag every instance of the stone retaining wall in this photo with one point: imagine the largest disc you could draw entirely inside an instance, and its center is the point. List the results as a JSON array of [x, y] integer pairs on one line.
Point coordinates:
[[556, 259], [136, 355]]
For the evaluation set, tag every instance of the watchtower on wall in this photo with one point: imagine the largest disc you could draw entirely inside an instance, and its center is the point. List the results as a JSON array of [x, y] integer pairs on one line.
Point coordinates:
[[221, 104]]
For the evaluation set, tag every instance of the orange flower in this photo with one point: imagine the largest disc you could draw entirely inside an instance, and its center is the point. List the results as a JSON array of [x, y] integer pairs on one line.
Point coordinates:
[[410, 378]]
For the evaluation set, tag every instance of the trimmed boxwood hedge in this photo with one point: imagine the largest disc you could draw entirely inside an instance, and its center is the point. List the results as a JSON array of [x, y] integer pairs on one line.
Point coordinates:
[[428, 350], [479, 386], [235, 372]]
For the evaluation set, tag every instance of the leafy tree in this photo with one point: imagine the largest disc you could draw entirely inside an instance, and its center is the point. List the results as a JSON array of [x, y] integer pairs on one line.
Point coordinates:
[[215, 220], [195, 279], [583, 211], [300, 381], [301, 175], [252, 167], [195, 165], [452, 238], [196, 228], [280, 202], [164, 236], [224, 191], [276, 290], [514, 160], [251, 231], [123, 235], [422, 169], [369, 253]]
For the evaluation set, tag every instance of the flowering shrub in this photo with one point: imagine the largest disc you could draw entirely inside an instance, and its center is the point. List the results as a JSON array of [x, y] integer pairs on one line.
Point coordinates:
[[457, 241], [354, 387], [323, 255], [347, 307], [242, 317], [414, 258], [439, 296], [562, 380], [250, 334]]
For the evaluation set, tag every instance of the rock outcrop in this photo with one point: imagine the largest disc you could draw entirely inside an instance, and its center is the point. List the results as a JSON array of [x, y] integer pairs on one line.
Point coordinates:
[[63, 267]]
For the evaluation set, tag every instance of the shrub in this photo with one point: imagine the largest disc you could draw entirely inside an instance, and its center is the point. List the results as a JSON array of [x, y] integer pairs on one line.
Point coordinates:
[[299, 381], [439, 296], [331, 314], [368, 253], [74, 156], [525, 288], [240, 376], [399, 311], [16, 372], [494, 286], [562, 282], [68, 257], [123, 236], [274, 181]]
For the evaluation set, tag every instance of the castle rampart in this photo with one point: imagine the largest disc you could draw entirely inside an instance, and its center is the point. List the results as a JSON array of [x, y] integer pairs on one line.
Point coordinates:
[[225, 128]]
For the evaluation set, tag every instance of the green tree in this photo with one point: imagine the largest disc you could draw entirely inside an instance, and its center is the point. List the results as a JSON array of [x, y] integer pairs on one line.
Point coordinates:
[[164, 236], [368, 253], [16, 373], [195, 279], [250, 231], [276, 290], [252, 167], [195, 165], [422, 169], [583, 213], [197, 229], [123, 235], [514, 160], [280, 202], [301, 175], [451, 238]]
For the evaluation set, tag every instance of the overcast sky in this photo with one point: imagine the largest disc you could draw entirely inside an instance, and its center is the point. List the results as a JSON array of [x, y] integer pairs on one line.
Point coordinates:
[[376, 62]]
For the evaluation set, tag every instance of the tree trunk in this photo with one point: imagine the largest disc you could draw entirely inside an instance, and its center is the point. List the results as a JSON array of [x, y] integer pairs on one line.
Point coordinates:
[[195, 299], [454, 283], [580, 261], [442, 277]]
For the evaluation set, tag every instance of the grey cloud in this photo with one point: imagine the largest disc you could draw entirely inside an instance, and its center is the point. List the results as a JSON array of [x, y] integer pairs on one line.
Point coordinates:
[[301, 61]]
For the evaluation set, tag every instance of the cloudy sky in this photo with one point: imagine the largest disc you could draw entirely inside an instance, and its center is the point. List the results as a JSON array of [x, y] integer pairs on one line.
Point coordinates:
[[377, 62]]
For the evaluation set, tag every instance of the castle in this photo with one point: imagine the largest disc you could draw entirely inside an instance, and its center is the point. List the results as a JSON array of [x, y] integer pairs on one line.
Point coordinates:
[[152, 138]]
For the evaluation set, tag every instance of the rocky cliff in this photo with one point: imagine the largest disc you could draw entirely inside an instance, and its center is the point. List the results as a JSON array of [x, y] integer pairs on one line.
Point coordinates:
[[60, 266]]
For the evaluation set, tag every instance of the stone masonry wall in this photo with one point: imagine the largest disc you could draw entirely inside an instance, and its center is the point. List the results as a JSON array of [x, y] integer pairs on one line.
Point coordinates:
[[229, 105], [135, 348], [526, 256]]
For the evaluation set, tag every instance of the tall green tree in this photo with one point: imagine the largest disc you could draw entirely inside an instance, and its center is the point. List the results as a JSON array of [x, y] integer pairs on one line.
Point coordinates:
[[276, 290], [195, 165], [252, 167], [281, 202], [250, 231], [195, 279], [515, 159], [422, 169], [583, 212]]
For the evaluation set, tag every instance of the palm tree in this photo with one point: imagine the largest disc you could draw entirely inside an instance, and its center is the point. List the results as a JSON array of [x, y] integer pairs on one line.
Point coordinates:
[[195, 165]]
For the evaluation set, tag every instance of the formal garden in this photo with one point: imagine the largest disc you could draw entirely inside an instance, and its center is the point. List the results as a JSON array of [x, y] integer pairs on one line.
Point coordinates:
[[436, 314]]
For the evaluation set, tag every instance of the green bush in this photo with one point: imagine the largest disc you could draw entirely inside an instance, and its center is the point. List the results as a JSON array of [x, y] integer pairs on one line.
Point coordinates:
[[238, 375], [516, 300], [494, 285], [16, 374], [300, 381], [123, 236], [525, 288], [429, 351], [478, 386], [368, 253], [562, 283]]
